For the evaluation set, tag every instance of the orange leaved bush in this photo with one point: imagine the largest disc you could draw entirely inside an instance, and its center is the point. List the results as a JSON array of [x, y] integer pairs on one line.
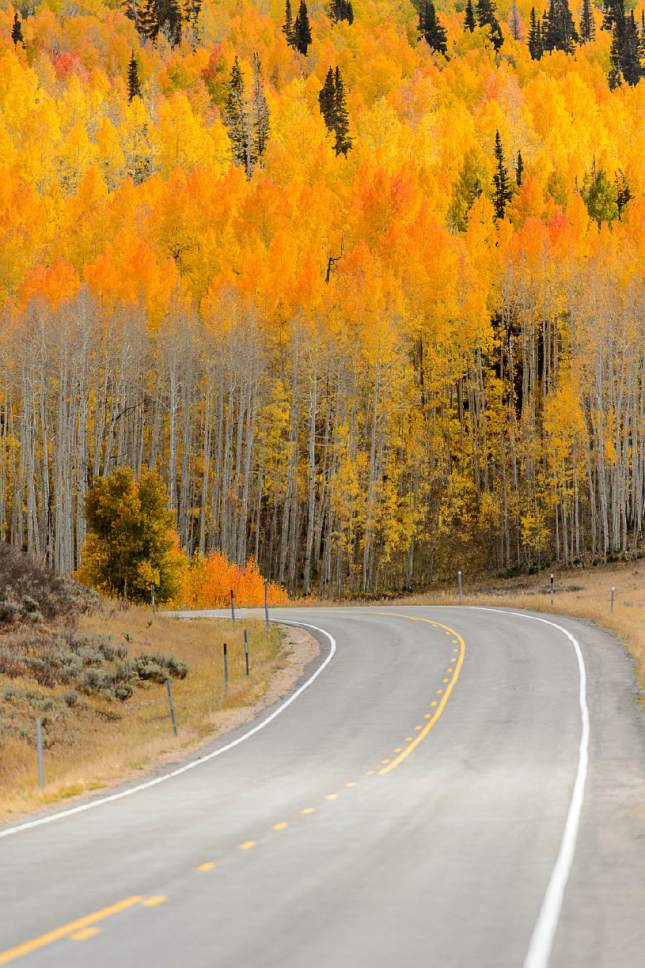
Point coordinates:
[[210, 579]]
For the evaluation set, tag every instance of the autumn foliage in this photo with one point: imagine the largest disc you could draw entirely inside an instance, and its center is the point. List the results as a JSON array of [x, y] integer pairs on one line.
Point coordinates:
[[210, 579]]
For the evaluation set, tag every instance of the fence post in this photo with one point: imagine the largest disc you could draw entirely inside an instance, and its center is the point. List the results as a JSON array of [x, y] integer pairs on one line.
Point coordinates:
[[460, 587], [225, 668], [171, 707], [552, 588], [232, 605], [152, 596], [39, 748], [246, 651], [612, 597], [266, 601]]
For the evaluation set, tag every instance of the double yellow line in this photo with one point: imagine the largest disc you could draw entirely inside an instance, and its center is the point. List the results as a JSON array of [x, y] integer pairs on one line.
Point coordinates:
[[444, 697]]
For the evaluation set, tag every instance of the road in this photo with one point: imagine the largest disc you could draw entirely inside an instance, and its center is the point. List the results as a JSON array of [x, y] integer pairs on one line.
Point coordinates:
[[426, 799]]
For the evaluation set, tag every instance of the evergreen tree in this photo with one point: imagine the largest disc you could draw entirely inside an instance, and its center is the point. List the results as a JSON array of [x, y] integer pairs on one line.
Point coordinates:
[[486, 18], [16, 30], [625, 52], [172, 22], [341, 10], [613, 13], [615, 76], [192, 12], [465, 191], [341, 116], [333, 107], [287, 27], [519, 169], [326, 100], [536, 45], [302, 30], [147, 18], [469, 22], [260, 111], [558, 29], [134, 85], [502, 190], [431, 30], [587, 23], [236, 120]]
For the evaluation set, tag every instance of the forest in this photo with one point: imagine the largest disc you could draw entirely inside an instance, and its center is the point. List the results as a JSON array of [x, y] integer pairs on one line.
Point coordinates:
[[363, 281]]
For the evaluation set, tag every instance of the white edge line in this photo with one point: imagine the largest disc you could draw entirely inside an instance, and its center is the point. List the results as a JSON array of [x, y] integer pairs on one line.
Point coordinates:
[[92, 804], [543, 936]]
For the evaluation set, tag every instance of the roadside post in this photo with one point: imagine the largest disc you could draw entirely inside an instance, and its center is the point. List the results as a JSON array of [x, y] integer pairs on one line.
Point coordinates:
[[612, 597], [152, 596], [552, 588], [246, 651], [232, 605], [225, 668], [39, 748], [460, 586], [171, 707], [266, 601]]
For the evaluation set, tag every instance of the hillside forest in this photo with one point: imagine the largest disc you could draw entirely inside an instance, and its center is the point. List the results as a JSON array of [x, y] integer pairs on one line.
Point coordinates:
[[363, 281]]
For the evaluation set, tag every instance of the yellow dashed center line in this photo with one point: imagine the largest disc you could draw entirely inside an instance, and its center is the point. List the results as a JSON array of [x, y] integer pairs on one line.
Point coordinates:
[[398, 749], [370, 772], [280, 826], [154, 901], [247, 845], [308, 810], [434, 702], [85, 934], [408, 739], [331, 796], [208, 866], [450, 684], [352, 783]]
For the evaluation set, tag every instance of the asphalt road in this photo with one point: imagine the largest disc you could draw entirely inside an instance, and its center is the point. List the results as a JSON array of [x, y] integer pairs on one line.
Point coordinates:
[[432, 797]]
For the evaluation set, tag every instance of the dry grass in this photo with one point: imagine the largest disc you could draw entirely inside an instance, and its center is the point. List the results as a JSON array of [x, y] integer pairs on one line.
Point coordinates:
[[584, 593], [105, 741]]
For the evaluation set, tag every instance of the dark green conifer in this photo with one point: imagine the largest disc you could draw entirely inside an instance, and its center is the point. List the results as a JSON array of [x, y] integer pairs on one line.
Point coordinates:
[[302, 30], [341, 116], [173, 23], [502, 190], [287, 27], [431, 30], [623, 192], [16, 30], [536, 45], [465, 191], [558, 29], [469, 22], [326, 99], [235, 119], [134, 84], [587, 23], [260, 114], [341, 10], [486, 18], [613, 13]]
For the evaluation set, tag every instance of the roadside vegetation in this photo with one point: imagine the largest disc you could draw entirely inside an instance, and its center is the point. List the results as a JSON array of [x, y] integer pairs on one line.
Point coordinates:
[[94, 672]]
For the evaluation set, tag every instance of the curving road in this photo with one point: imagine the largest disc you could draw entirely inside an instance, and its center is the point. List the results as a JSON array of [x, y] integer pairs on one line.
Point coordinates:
[[430, 796]]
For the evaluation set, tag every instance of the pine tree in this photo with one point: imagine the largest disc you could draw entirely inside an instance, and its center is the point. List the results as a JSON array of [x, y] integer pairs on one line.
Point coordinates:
[[260, 112], [192, 12], [173, 23], [326, 100], [519, 169], [558, 29], [516, 24], [600, 196], [503, 191], [536, 45], [587, 23], [333, 107], [431, 30], [16, 30], [615, 76], [486, 18], [613, 14], [287, 27], [341, 10], [148, 19], [341, 116], [469, 22], [625, 53], [134, 85], [302, 30], [236, 120]]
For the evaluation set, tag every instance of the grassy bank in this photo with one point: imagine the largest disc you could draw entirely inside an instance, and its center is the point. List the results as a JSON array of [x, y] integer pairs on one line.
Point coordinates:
[[584, 593], [94, 740]]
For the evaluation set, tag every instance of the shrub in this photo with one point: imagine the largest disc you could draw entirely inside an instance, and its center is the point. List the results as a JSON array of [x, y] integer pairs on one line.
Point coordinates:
[[70, 698], [123, 691]]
